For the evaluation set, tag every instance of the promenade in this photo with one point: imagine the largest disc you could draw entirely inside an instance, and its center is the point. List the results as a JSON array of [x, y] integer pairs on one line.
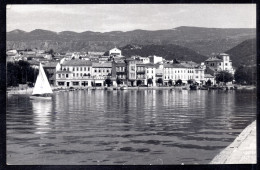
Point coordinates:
[[242, 150]]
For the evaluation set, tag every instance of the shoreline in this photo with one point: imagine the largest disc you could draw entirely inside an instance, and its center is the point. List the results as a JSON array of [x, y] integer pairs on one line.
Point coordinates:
[[57, 89], [242, 150]]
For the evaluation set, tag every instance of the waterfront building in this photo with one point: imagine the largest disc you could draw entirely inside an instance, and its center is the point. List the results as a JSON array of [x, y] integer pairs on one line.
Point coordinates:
[[141, 74], [51, 67], [210, 77], [74, 73], [150, 73], [183, 72], [100, 72], [119, 72], [131, 71], [220, 62], [159, 70]]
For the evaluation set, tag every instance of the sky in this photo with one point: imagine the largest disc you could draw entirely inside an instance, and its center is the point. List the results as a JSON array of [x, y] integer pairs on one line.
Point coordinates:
[[127, 17]]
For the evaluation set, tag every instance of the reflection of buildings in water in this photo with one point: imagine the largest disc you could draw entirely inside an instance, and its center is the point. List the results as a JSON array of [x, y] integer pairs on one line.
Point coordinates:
[[42, 111], [150, 114]]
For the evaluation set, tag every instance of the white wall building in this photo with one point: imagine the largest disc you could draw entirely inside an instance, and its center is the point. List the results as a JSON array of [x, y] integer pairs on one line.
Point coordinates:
[[155, 59], [115, 52]]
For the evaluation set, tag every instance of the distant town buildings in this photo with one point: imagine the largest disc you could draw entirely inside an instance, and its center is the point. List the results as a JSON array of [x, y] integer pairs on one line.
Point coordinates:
[[83, 69]]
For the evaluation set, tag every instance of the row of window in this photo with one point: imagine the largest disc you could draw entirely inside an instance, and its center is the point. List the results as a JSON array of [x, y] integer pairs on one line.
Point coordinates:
[[141, 76], [179, 77], [140, 68], [76, 69], [179, 71], [120, 69], [101, 71]]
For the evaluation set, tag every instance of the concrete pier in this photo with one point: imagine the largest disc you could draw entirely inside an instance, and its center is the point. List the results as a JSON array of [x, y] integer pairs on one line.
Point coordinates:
[[242, 150]]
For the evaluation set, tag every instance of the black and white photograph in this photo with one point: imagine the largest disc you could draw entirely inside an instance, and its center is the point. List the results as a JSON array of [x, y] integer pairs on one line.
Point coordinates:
[[131, 84]]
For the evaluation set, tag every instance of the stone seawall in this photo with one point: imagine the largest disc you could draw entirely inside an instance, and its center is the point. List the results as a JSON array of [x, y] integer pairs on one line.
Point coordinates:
[[242, 150]]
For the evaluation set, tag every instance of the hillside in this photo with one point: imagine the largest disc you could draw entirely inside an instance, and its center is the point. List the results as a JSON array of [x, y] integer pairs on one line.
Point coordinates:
[[169, 52], [243, 53], [202, 40]]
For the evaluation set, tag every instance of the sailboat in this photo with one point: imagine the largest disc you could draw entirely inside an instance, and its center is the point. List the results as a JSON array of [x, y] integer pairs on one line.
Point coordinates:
[[42, 88]]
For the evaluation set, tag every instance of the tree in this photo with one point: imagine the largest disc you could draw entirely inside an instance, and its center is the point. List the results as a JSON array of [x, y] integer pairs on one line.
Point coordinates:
[[139, 82], [108, 81], [179, 82], [245, 75], [224, 76], [170, 82], [208, 83], [20, 73], [118, 81], [150, 81], [160, 81], [190, 81]]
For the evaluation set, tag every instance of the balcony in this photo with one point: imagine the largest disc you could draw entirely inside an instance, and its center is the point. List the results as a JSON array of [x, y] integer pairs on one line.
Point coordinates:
[[140, 72]]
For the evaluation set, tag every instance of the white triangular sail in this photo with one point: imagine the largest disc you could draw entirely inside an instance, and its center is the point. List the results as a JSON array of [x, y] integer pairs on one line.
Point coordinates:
[[42, 85]]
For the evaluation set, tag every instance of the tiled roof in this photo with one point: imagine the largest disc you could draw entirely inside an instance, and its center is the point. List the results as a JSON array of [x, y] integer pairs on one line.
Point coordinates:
[[174, 66], [214, 59], [63, 71], [33, 62], [149, 65], [208, 76], [77, 62], [50, 64], [102, 65]]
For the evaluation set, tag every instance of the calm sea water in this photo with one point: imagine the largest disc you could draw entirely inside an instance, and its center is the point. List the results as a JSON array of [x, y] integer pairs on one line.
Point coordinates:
[[125, 127]]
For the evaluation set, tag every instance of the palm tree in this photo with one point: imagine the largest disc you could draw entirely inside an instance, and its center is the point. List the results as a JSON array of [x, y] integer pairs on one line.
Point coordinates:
[[160, 81], [108, 81], [139, 82], [150, 81], [170, 82], [179, 82]]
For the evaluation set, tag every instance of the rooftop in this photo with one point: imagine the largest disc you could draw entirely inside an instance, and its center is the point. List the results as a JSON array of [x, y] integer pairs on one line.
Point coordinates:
[[50, 64], [77, 62], [208, 76], [213, 59], [102, 64]]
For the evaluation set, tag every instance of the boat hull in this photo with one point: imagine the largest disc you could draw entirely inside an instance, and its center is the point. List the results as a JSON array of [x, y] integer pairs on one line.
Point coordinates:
[[40, 98]]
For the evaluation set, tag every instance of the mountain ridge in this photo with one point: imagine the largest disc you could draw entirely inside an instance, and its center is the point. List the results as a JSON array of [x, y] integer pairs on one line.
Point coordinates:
[[200, 39]]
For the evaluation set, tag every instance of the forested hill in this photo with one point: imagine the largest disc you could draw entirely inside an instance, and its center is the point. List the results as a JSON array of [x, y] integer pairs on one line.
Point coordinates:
[[202, 40], [169, 52], [244, 53]]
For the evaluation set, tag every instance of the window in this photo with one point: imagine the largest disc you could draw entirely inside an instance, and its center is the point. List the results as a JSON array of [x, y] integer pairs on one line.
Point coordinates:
[[84, 68], [75, 83], [77, 69], [59, 75], [80, 68], [77, 74], [152, 71], [99, 71], [73, 69], [226, 64], [73, 74], [61, 83], [95, 70], [88, 68], [107, 71], [147, 71], [67, 75], [81, 74]]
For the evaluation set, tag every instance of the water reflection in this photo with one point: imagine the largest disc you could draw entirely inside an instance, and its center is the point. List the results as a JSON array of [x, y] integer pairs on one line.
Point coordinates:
[[126, 127], [42, 115]]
